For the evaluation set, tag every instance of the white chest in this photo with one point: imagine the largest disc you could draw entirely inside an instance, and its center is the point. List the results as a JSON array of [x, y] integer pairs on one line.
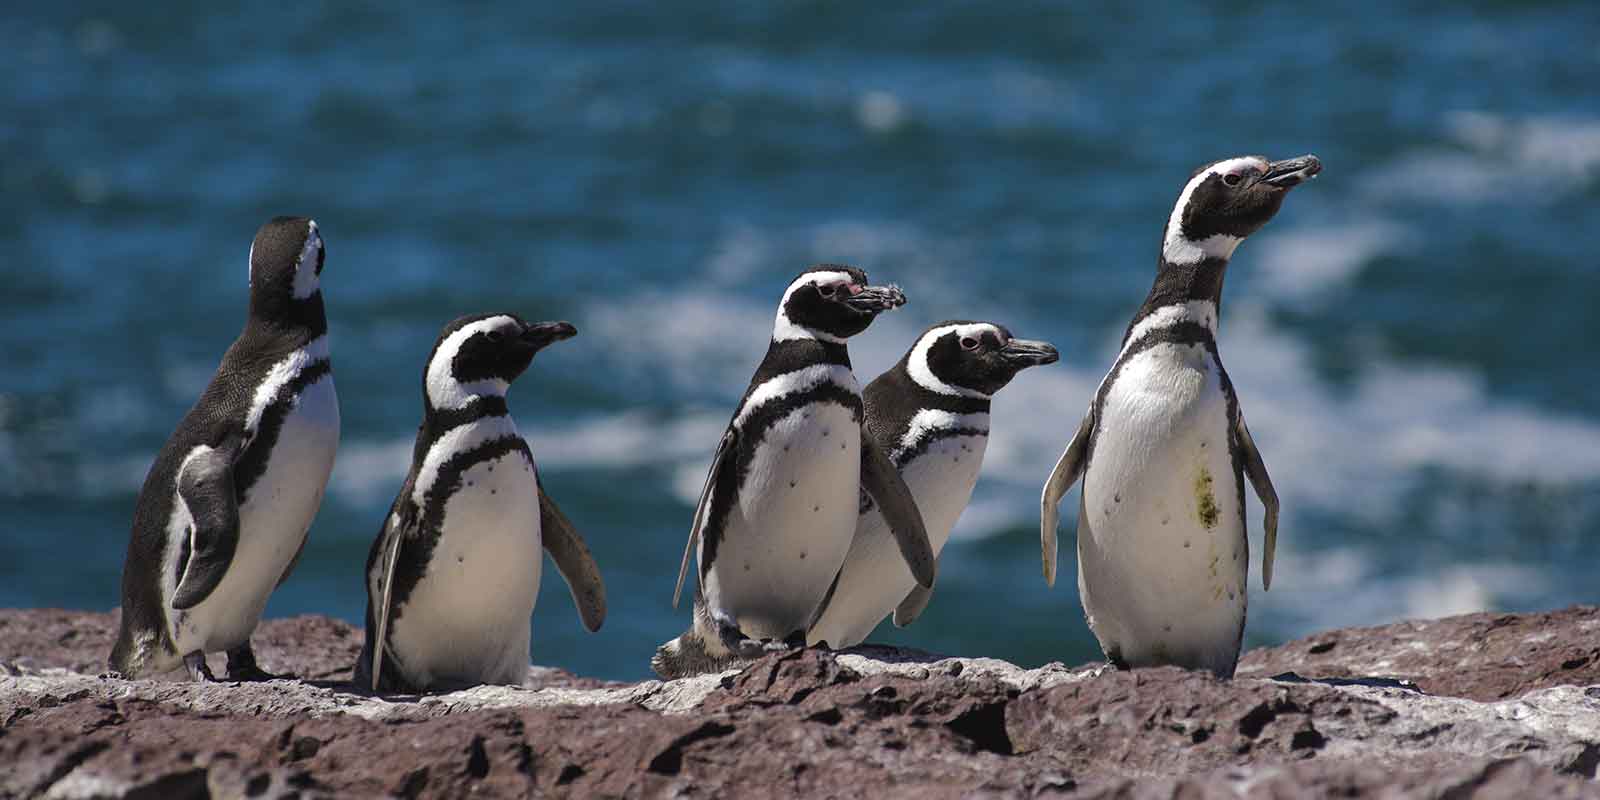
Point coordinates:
[[875, 578], [941, 479], [791, 523], [467, 618], [1162, 549]]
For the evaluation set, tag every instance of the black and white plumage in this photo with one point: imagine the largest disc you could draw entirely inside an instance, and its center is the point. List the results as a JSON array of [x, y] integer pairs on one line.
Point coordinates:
[[779, 506], [930, 414], [1164, 450], [453, 574], [226, 506]]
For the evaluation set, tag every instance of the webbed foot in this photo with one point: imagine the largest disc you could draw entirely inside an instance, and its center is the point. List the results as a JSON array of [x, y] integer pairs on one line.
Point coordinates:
[[242, 666]]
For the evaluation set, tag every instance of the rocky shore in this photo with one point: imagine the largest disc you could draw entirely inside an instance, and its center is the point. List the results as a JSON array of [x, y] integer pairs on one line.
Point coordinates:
[[1483, 705]]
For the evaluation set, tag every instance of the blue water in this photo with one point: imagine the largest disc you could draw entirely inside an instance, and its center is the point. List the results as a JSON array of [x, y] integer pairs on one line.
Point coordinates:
[[1412, 338]]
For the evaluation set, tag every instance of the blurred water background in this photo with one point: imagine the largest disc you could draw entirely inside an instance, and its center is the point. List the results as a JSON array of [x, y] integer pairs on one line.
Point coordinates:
[[1412, 339]]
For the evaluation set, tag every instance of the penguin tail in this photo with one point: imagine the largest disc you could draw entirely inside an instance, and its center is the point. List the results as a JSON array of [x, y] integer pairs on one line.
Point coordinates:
[[681, 657], [690, 654], [137, 650]]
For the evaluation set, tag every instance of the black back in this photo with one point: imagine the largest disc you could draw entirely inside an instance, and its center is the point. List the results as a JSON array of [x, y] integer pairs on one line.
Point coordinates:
[[277, 325]]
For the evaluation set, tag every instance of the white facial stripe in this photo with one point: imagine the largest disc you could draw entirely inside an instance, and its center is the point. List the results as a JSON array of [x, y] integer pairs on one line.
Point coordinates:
[[800, 380], [922, 373], [459, 439], [444, 391], [932, 419], [306, 280], [784, 330], [250, 264], [1201, 311], [1179, 249], [281, 374]]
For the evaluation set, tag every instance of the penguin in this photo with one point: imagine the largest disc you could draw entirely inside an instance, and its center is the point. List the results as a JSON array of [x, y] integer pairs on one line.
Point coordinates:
[[225, 508], [778, 511], [1164, 450], [930, 414], [453, 574]]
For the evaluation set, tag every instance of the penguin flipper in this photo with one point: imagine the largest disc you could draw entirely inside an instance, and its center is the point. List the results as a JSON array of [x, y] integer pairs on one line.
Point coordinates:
[[912, 606], [1067, 472], [702, 508], [881, 480], [573, 559], [1256, 469], [393, 539], [205, 486]]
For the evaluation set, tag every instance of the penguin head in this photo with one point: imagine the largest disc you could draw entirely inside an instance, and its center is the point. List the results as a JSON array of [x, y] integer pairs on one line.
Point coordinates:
[[482, 354], [1228, 200], [285, 265], [972, 359], [832, 303]]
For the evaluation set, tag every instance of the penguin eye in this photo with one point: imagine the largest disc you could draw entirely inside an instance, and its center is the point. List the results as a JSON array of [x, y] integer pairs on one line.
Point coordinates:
[[1232, 178], [494, 335], [969, 343], [826, 289]]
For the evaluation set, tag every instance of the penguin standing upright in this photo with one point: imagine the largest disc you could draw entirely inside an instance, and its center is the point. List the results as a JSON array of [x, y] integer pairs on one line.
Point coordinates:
[[224, 511], [930, 414], [453, 574], [1164, 450], [778, 510]]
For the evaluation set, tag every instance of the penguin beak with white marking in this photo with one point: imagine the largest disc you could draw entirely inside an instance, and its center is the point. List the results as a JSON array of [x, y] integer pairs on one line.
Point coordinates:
[[1292, 172], [876, 299], [543, 334], [1023, 353]]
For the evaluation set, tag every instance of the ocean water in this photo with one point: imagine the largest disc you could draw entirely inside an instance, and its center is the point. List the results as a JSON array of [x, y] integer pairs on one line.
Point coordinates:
[[1412, 338]]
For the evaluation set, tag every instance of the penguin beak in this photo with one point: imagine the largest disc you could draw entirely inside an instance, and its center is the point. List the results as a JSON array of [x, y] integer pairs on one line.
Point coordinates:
[[1292, 172], [1023, 353], [542, 334], [876, 299]]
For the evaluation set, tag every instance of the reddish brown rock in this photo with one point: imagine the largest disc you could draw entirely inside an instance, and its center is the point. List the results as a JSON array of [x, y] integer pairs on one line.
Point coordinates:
[[872, 722], [1481, 656]]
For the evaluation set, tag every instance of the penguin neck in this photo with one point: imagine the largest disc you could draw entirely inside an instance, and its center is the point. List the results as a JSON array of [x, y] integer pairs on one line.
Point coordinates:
[[788, 355], [475, 408], [921, 396], [297, 320], [1188, 289]]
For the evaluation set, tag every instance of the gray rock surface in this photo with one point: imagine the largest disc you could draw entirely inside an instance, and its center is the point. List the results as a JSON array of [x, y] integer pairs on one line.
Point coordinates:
[[1484, 705]]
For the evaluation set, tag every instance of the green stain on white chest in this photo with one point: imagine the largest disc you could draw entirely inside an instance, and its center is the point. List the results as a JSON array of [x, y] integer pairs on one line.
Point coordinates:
[[1205, 499]]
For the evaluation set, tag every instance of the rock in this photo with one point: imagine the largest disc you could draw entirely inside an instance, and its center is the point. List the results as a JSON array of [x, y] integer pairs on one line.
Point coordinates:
[[1485, 705], [1479, 656]]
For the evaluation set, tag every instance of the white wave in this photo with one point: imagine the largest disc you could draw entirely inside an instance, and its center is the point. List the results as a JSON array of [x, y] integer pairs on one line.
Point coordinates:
[[628, 439], [1305, 580], [1352, 450], [1301, 263], [713, 338], [1537, 159], [368, 472]]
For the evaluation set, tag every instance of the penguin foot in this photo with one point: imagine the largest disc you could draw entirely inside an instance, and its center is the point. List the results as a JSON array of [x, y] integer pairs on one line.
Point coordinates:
[[199, 671], [242, 666]]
